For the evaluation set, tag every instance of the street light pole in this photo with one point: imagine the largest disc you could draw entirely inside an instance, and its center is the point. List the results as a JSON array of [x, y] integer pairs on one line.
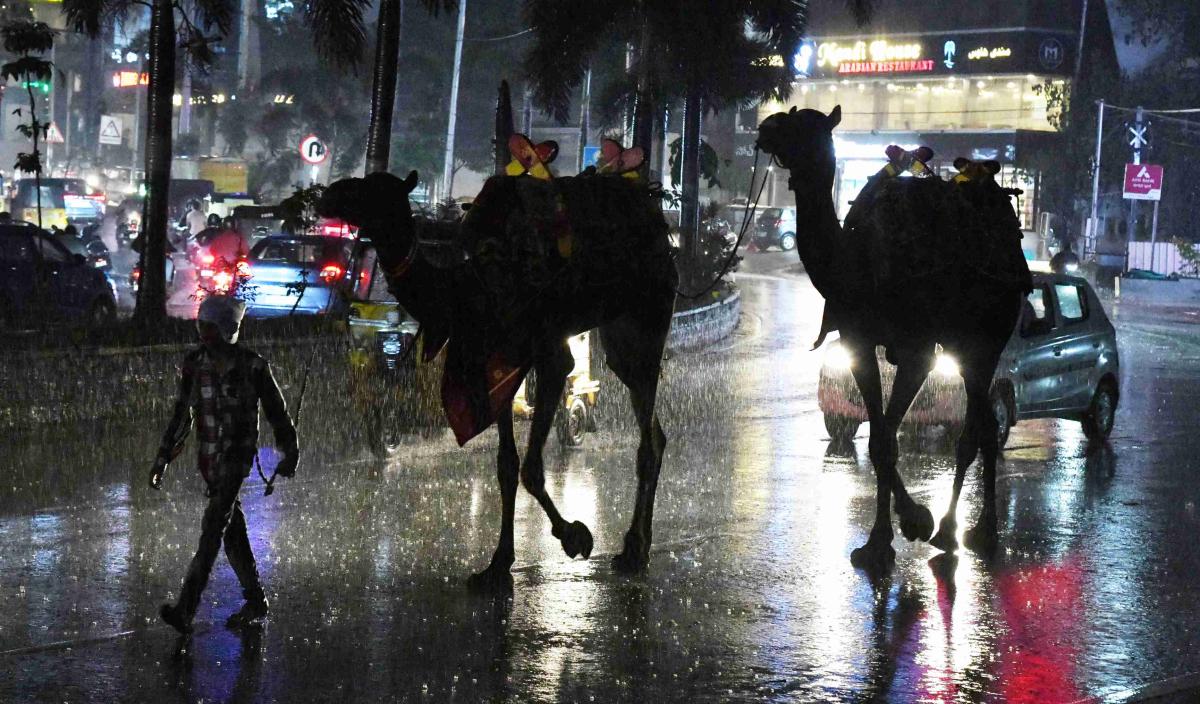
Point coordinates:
[[448, 164], [1089, 235]]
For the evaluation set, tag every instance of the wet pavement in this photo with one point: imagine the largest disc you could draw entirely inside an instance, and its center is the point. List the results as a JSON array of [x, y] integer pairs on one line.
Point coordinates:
[[750, 594]]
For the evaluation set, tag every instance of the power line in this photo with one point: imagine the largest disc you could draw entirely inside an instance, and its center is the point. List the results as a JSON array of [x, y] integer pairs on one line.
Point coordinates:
[[499, 39], [1151, 111]]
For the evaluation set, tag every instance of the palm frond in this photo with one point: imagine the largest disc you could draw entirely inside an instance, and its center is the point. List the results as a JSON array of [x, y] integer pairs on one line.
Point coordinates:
[[565, 36], [338, 29], [27, 37], [88, 16], [216, 14]]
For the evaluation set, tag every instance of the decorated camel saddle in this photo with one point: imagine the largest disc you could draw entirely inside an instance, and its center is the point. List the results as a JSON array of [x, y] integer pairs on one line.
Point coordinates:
[[530, 239], [926, 227]]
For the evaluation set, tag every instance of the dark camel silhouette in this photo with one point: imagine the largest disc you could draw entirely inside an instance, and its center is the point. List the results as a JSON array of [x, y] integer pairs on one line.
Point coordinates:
[[544, 260], [920, 262]]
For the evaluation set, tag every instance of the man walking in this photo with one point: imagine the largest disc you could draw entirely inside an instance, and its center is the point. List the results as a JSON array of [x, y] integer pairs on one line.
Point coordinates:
[[221, 387]]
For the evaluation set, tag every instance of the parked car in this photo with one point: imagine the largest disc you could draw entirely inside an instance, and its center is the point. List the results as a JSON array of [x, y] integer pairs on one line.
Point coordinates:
[[1061, 362], [41, 280], [300, 273], [776, 227]]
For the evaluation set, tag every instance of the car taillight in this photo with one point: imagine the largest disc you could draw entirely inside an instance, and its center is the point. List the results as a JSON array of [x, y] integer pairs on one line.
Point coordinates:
[[222, 280], [135, 274], [207, 258], [331, 273]]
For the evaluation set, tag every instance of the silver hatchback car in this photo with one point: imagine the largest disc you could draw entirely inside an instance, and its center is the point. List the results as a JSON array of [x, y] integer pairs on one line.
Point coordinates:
[[1061, 362]]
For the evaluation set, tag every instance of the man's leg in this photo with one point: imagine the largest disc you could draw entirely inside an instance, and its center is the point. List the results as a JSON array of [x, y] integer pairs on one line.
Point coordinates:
[[212, 528], [241, 558]]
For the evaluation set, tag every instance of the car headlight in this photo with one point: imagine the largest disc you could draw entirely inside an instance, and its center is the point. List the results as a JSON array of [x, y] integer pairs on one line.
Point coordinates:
[[946, 365], [838, 357]]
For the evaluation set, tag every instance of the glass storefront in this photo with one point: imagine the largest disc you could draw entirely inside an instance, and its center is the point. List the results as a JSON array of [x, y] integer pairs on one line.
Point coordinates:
[[929, 103], [976, 117]]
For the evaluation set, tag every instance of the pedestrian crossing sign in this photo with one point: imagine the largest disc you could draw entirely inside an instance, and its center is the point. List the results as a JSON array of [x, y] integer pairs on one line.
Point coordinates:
[[54, 135]]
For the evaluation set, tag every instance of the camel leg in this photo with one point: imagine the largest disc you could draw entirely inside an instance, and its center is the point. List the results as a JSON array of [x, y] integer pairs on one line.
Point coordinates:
[[497, 575], [983, 536], [916, 522], [552, 371], [634, 353], [876, 555]]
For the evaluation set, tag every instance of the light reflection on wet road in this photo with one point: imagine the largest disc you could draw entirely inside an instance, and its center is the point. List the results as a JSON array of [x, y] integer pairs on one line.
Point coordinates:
[[750, 595]]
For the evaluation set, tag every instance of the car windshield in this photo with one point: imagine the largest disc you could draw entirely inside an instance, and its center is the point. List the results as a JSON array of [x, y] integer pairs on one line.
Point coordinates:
[[55, 192], [305, 250]]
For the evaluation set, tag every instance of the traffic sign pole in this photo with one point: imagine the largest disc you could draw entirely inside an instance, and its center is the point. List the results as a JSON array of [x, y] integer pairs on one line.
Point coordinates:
[[1137, 141]]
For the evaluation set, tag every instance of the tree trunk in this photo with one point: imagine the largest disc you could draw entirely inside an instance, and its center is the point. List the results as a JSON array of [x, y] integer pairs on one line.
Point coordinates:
[[689, 206], [383, 85], [152, 292], [504, 127], [644, 108]]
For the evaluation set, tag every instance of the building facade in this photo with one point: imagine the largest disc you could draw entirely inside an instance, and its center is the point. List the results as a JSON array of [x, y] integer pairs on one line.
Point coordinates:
[[967, 81]]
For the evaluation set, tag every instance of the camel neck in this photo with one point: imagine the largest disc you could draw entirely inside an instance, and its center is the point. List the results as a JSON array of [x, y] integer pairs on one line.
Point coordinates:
[[419, 290], [818, 232]]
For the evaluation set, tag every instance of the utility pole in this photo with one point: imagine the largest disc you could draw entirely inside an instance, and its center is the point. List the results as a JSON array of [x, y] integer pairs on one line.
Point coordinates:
[[1089, 234], [1138, 131], [448, 165]]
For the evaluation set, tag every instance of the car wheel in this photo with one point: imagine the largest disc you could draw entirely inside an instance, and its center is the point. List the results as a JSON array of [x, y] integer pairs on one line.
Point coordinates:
[[1098, 420], [572, 423], [787, 241], [1002, 410], [102, 312], [841, 429]]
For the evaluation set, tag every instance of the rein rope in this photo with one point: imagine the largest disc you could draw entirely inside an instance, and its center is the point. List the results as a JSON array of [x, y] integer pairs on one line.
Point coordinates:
[[747, 217], [296, 423]]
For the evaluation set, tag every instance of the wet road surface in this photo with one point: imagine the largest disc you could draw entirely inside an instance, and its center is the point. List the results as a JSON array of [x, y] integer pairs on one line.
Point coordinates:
[[750, 595]]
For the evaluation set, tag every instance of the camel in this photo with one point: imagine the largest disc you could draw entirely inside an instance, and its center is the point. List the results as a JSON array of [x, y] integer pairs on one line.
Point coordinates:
[[920, 262], [544, 260]]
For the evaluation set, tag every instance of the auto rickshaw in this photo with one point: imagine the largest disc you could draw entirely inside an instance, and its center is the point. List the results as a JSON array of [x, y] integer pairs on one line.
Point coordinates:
[[397, 394]]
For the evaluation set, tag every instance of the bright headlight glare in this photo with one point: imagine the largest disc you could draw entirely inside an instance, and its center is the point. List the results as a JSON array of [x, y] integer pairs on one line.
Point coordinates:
[[946, 365], [1072, 267], [838, 357]]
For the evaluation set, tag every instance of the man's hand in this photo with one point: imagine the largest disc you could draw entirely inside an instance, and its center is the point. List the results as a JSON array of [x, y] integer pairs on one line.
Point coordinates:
[[156, 475], [287, 465]]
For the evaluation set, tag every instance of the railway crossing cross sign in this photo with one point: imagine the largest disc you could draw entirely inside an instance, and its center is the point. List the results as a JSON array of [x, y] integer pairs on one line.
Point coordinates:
[[1139, 136]]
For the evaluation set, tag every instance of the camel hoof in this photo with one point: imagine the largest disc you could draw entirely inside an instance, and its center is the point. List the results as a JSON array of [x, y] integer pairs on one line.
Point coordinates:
[[629, 562], [982, 539], [874, 558], [493, 580], [945, 539], [946, 542], [576, 540], [916, 522]]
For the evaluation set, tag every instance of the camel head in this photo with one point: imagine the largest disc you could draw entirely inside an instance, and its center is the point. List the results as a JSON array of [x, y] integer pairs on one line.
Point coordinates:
[[801, 141], [378, 205]]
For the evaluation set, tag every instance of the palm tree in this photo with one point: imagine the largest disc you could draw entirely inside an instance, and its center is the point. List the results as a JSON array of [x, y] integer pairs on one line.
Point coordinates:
[[709, 54], [341, 35], [88, 16], [29, 40]]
